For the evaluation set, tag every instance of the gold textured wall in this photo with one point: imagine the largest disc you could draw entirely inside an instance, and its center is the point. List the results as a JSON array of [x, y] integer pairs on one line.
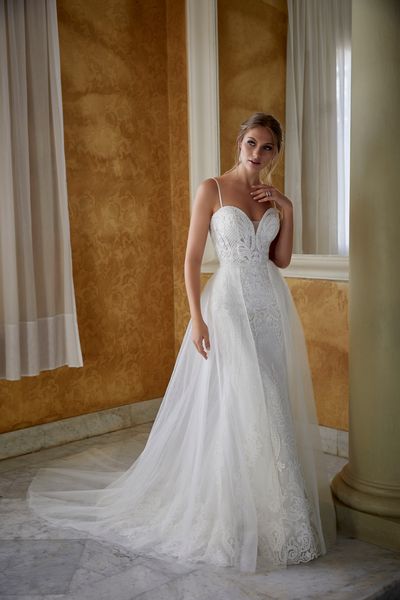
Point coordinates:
[[252, 67], [179, 158], [124, 88], [323, 309], [123, 82]]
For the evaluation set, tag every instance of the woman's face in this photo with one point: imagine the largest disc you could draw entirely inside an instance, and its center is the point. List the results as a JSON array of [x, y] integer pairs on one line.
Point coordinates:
[[257, 148]]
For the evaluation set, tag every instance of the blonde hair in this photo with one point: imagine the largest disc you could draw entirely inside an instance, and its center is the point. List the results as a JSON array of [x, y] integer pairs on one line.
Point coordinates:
[[260, 119]]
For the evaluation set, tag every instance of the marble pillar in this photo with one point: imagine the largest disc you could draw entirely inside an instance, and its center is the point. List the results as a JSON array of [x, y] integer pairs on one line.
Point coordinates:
[[367, 490]]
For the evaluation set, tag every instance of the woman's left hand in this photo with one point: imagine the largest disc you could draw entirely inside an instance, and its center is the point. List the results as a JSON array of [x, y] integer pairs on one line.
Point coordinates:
[[268, 193]]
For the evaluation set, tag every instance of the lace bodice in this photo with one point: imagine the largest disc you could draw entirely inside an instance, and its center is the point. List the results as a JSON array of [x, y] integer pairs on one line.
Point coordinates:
[[235, 239]]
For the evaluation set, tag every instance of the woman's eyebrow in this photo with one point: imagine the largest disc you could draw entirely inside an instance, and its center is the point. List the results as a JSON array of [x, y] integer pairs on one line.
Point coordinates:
[[265, 143]]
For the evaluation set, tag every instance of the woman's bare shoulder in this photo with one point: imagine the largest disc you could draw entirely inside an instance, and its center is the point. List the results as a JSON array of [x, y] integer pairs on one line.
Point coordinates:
[[207, 194], [209, 185], [208, 189]]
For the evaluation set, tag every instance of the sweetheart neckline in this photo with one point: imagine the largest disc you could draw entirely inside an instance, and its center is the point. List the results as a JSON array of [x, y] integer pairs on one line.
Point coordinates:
[[243, 213]]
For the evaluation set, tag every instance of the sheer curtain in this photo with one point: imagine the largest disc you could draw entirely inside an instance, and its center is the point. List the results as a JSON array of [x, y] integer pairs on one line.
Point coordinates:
[[318, 123], [38, 325]]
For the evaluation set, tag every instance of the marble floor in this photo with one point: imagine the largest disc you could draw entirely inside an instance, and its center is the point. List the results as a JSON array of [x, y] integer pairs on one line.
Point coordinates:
[[38, 561]]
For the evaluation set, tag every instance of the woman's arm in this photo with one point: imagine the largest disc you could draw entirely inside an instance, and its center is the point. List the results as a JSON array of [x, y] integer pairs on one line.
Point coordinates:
[[197, 237], [281, 248], [280, 251]]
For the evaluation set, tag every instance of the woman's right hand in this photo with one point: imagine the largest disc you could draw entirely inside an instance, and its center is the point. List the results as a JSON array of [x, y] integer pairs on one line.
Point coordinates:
[[200, 335]]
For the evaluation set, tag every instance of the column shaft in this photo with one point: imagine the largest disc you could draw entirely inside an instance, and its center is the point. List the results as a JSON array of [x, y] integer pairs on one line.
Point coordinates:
[[368, 488]]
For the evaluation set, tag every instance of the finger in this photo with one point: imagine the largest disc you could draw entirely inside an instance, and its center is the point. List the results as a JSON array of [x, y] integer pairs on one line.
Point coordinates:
[[263, 198], [267, 193], [262, 186], [200, 349], [206, 343], [203, 353], [262, 192], [204, 346]]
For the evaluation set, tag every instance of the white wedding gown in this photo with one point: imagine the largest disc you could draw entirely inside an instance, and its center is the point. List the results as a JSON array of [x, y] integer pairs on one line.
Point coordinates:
[[233, 470]]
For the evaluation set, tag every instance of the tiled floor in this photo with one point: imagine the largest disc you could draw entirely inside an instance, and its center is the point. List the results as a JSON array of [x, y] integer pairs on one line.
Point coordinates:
[[38, 561]]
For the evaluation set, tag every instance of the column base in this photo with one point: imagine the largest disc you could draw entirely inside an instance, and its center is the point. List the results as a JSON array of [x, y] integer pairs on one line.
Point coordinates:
[[380, 530]]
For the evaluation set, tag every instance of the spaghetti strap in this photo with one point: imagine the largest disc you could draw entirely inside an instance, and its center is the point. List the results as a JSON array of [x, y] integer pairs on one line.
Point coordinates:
[[219, 191]]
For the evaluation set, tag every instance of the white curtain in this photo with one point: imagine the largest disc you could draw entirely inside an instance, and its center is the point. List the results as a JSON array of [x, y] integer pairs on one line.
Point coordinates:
[[38, 325], [318, 123]]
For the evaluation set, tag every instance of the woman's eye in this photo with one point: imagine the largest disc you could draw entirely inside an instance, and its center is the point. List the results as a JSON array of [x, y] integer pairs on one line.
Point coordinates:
[[268, 148], [250, 142]]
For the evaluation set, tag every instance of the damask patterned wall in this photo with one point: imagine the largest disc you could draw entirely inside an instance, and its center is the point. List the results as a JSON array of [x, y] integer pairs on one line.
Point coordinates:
[[124, 83], [119, 104], [323, 310], [179, 158], [252, 67]]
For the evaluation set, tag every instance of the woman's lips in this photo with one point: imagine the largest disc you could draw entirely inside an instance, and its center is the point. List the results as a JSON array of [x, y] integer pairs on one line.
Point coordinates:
[[253, 162]]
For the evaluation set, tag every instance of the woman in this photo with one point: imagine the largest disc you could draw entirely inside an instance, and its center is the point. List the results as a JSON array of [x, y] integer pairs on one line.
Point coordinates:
[[258, 147], [232, 471]]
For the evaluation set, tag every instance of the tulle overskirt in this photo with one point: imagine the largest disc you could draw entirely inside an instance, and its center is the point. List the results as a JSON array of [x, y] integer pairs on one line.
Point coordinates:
[[233, 467]]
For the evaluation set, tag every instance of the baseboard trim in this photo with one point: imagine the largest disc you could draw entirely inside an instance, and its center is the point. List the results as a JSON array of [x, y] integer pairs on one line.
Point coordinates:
[[334, 441], [48, 435], [32, 439]]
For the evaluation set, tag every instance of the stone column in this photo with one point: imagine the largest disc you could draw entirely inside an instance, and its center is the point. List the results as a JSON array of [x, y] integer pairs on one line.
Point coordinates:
[[367, 490]]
